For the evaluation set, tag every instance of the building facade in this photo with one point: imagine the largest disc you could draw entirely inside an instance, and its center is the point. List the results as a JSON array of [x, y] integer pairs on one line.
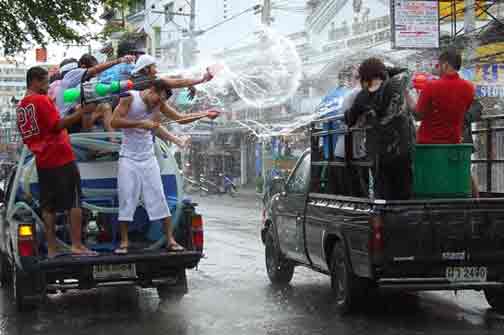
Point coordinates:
[[12, 89]]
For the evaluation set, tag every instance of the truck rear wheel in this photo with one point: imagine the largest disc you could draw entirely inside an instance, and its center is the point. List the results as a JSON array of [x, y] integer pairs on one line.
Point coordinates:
[[5, 270], [495, 298], [348, 289], [22, 288], [174, 292], [280, 270]]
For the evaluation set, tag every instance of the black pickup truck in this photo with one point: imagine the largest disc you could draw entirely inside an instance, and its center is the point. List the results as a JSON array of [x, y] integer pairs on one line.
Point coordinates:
[[323, 218]]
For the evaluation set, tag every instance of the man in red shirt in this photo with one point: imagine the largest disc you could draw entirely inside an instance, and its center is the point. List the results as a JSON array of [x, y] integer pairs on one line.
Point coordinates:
[[443, 103], [45, 134]]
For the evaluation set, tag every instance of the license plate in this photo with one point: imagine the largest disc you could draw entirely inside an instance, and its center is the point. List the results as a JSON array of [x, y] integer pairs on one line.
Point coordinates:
[[466, 273], [114, 271]]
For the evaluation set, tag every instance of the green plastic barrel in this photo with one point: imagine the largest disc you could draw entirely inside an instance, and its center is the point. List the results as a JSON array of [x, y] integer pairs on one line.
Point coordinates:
[[442, 170]]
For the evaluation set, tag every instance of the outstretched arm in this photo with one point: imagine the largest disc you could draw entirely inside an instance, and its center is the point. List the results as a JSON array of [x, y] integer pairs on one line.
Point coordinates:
[[180, 83], [172, 114], [104, 66], [166, 136]]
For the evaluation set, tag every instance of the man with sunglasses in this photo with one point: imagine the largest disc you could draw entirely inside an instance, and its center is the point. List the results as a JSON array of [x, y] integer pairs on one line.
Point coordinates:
[[139, 174]]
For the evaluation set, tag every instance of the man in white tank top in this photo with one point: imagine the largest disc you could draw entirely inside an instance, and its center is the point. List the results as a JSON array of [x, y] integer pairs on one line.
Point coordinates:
[[139, 174]]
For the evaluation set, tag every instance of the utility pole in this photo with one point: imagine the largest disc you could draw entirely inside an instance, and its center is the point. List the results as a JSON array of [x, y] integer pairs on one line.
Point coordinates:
[[469, 26], [190, 44], [266, 13], [469, 16]]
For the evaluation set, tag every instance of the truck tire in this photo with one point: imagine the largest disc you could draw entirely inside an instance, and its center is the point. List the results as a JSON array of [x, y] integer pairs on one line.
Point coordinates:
[[349, 290], [21, 287], [495, 298], [174, 292], [5, 270], [280, 270]]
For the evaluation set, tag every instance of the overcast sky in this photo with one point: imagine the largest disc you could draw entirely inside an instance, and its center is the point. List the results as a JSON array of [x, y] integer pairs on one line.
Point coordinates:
[[209, 12]]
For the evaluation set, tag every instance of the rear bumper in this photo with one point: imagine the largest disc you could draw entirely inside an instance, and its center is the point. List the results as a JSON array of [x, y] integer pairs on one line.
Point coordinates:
[[70, 272], [185, 259], [433, 284]]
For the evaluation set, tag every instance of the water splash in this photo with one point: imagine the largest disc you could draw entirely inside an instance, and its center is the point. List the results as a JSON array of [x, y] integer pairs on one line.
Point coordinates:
[[263, 70]]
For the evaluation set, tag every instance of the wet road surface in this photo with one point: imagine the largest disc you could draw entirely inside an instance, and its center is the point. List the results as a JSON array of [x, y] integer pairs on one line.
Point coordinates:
[[230, 294]]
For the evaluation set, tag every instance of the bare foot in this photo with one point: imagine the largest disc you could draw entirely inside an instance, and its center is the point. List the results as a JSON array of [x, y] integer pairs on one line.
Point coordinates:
[[83, 251], [174, 246], [51, 253], [123, 249]]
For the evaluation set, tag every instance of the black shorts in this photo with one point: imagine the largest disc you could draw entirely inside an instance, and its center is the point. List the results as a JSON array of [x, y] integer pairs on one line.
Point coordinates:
[[60, 188]]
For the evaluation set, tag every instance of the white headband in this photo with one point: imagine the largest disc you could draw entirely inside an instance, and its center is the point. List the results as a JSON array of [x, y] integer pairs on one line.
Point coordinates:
[[69, 67]]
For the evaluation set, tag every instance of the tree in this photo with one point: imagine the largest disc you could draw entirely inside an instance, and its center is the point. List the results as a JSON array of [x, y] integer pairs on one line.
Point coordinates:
[[24, 21]]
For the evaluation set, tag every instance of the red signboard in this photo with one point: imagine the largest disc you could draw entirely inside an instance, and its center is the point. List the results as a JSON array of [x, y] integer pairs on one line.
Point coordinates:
[[41, 55]]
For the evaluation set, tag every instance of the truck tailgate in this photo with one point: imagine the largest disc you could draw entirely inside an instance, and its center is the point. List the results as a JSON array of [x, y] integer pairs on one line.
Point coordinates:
[[423, 238], [186, 259]]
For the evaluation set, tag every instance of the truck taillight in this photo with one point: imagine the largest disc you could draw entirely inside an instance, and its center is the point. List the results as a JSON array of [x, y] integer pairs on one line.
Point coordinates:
[[26, 240], [376, 245], [197, 232]]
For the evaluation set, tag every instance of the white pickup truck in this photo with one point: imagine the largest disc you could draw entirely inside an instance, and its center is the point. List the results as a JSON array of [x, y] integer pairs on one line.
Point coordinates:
[[23, 249]]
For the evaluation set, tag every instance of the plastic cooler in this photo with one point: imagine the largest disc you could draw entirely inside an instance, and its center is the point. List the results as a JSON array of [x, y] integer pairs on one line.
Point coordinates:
[[442, 170]]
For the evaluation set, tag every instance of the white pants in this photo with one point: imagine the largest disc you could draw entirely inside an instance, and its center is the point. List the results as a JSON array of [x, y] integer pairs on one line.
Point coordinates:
[[141, 180]]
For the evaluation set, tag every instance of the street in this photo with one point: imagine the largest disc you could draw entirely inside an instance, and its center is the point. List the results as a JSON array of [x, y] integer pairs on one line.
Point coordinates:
[[230, 294]]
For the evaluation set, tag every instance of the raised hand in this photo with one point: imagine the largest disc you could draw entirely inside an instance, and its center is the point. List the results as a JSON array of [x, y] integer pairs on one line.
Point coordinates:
[[128, 59], [213, 114], [207, 76]]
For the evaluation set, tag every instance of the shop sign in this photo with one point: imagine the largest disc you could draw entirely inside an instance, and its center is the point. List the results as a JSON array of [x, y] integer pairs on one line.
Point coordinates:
[[415, 24], [488, 79]]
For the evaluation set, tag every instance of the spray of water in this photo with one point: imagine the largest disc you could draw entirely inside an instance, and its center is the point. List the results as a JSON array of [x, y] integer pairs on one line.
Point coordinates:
[[263, 70]]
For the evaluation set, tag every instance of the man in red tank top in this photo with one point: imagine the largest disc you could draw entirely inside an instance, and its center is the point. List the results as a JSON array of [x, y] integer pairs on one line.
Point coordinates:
[[45, 134]]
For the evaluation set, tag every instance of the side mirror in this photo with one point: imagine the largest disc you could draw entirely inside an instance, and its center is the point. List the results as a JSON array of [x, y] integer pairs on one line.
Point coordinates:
[[277, 185]]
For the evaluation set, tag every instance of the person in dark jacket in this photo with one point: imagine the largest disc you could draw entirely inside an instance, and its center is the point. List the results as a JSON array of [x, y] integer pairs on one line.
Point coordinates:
[[384, 108]]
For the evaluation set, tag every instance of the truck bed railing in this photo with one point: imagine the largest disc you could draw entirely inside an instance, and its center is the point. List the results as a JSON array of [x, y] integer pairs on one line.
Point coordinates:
[[492, 129], [488, 136]]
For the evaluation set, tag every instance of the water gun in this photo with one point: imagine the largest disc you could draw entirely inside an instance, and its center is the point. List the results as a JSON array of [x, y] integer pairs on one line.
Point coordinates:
[[93, 92], [420, 80]]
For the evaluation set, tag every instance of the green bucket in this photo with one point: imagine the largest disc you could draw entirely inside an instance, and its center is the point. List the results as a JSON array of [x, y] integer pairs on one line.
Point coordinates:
[[442, 170]]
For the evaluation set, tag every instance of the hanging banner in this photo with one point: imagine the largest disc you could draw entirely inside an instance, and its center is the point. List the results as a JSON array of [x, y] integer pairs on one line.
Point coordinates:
[[415, 24], [446, 10]]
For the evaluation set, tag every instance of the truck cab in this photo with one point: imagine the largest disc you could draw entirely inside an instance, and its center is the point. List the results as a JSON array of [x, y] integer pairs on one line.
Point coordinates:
[[23, 251]]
